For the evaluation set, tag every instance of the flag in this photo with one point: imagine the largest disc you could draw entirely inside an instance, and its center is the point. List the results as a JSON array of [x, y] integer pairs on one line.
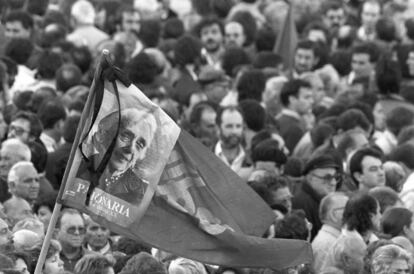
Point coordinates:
[[137, 173], [287, 40]]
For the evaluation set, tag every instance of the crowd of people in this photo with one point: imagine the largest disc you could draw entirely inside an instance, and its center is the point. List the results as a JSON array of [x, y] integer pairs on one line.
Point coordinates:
[[327, 143]]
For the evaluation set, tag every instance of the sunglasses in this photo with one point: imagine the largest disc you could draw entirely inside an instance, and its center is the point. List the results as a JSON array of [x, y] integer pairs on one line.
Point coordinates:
[[72, 230]]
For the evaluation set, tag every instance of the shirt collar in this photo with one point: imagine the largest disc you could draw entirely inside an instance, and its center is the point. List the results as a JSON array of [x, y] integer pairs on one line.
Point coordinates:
[[291, 113], [103, 250]]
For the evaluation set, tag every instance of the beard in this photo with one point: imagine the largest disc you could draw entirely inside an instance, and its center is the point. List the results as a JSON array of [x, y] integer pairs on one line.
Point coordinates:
[[231, 141]]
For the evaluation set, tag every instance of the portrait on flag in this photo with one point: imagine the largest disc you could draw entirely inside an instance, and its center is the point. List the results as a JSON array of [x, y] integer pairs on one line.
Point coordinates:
[[135, 134], [123, 176]]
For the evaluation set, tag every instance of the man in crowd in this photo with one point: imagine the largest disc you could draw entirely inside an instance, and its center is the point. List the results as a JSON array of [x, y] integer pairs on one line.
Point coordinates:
[[211, 33], [97, 237], [12, 151], [366, 169], [229, 148], [306, 57], [71, 234], [23, 181], [331, 209], [322, 175], [297, 99]]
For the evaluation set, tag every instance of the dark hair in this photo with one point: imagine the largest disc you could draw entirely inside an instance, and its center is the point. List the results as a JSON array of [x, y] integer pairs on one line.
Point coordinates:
[[19, 50], [67, 76], [48, 200], [267, 59], [292, 226], [317, 25], [233, 58], [385, 196], [331, 5], [292, 88], [274, 183], [262, 191], [409, 27], [367, 48], [265, 39], [92, 264], [403, 153], [309, 45], [341, 60], [20, 16], [248, 22], [187, 50], [395, 219], [398, 118], [251, 85], [130, 246], [198, 110], [320, 133], [81, 57], [143, 263], [221, 110], [254, 115], [54, 33], [48, 63], [385, 29], [35, 124], [173, 28], [260, 136], [358, 211], [69, 128], [355, 163], [353, 118], [207, 22], [142, 69], [388, 76], [150, 33], [50, 112], [268, 150]]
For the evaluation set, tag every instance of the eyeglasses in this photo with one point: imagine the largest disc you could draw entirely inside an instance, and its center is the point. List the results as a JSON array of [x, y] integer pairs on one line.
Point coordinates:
[[72, 230], [328, 178], [18, 130]]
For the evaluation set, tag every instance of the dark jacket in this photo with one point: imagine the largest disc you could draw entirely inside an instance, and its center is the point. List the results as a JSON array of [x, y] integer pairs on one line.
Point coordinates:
[[308, 200]]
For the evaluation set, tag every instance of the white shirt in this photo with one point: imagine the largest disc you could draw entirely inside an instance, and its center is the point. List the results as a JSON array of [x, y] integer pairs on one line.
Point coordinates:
[[237, 162], [387, 142]]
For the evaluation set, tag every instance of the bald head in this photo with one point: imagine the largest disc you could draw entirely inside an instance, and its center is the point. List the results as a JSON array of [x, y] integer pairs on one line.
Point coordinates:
[[331, 208], [17, 209]]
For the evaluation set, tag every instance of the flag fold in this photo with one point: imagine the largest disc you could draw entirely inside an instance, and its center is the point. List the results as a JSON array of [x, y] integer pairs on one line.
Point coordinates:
[[161, 186]]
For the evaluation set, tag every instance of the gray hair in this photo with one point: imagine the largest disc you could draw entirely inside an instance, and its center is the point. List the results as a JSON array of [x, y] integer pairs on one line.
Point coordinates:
[[13, 176], [83, 12], [18, 147], [384, 256]]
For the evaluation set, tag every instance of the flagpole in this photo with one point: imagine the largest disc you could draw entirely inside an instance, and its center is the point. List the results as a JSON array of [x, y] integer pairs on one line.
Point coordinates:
[[58, 206]]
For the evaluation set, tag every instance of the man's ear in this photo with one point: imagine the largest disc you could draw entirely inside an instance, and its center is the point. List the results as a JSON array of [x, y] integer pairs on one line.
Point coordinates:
[[357, 176], [11, 186]]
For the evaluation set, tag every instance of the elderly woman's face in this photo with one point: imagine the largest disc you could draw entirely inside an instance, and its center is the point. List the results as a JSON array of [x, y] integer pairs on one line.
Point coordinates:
[[399, 266], [131, 145]]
